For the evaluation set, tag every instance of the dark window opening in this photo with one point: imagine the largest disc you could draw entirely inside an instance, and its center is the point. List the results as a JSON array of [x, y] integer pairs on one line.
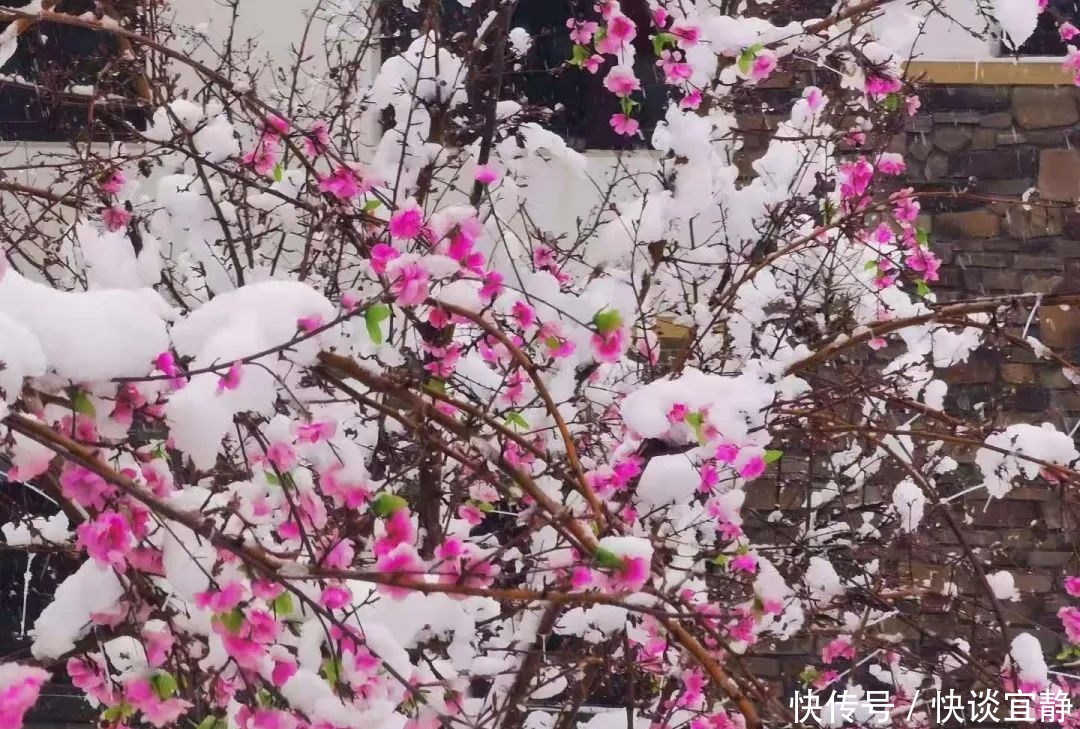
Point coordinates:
[[1046, 41], [48, 86], [582, 108]]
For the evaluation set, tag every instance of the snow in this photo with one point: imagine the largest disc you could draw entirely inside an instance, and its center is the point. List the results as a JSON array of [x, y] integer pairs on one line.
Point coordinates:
[[667, 480], [910, 503], [1003, 586], [1022, 442], [91, 589], [1017, 19], [1026, 651], [85, 336], [821, 579], [628, 547], [53, 529]]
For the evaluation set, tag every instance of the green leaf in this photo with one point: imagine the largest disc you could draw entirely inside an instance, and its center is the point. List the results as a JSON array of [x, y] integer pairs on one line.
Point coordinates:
[[696, 420], [386, 504], [436, 384], [721, 560], [484, 506], [516, 419], [375, 315], [922, 237], [232, 621], [82, 404], [746, 58], [870, 266], [579, 56], [628, 105], [808, 675], [331, 669], [123, 710], [607, 321], [279, 172], [213, 722], [371, 205], [271, 478], [164, 685], [772, 456], [607, 559], [891, 102], [282, 604], [660, 41], [922, 289]]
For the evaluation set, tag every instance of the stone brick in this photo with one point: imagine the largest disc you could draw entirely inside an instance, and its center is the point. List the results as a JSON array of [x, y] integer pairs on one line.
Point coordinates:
[[951, 138], [983, 139], [1028, 262], [1017, 374], [1059, 326], [1054, 379], [1059, 175], [982, 260], [919, 147], [995, 164], [1040, 558], [977, 370], [1040, 283], [936, 167], [1072, 224], [979, 98], [1029, 399], [919, 123], [1039, 108], [997, 120], [971, 224], [956, 117], [1033, 583], [1032, 221], [979, 280]]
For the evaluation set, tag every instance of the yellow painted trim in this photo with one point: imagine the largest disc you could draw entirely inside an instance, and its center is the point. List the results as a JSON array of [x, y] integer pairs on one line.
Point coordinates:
[[991, 73]]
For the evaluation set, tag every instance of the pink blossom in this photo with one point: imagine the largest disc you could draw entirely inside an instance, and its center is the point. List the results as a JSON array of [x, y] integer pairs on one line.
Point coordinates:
[[231, 379], [140, 693], [523, 313], [85, 487], [19, 689], [691, 100], [221, 600], [609, 347], [924, 262], [677, 413], [660, 16], [444, 360], [841, 647], [1072, 586], [318, 140], [115, 218], [398, 530], [281, 455], [891, 163], [401, 563], [688, 35], [912, 105], [763, 66], [815, 100], [407, 223], [381, 255], [276, 125], [335, 597], [1070, 619], [1068, 31], [115, 183], [263, 158], [753, 468], [621, 81], [631, 575], [88, 674], [343, 183], [675, 69], [157, 643], [410, 285], [593, 63], [557, 344], [471, 513], [743, 563], [581, 31], [879, 87], [855, 178], [620, 31], [315, 431], [309, 323], [107, 539], [624, 125], [486, 174], [727, 452]]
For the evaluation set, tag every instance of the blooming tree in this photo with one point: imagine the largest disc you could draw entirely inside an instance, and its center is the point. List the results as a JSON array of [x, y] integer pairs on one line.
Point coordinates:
[[344, 431]]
